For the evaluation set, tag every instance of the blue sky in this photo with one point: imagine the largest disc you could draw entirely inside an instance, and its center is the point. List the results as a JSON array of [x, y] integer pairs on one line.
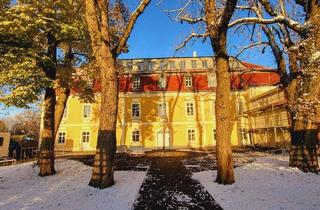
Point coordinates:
[[156, 35]]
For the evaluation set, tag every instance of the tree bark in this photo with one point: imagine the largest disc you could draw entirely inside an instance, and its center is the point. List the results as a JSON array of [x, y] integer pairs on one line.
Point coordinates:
[[62, 95], [46, 155], [218, 37]]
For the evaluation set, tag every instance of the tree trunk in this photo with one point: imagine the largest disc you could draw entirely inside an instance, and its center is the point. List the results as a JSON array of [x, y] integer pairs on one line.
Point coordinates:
[[225, 174], [46, 155], [102, 176], [304, 150]]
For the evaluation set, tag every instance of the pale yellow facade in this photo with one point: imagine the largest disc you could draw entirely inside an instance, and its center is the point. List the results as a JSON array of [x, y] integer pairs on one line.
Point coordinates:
[[152, 129]]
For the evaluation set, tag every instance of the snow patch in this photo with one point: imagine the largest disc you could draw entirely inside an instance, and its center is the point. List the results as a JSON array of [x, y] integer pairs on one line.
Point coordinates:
[[22, 188], [267, 183]]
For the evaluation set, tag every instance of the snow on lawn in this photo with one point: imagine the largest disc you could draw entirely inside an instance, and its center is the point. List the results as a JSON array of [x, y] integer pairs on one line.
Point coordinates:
[[267, 183], [21, 188]]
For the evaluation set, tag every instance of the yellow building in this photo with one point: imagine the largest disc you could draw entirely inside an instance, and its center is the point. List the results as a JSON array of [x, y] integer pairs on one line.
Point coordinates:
[[167, 103]]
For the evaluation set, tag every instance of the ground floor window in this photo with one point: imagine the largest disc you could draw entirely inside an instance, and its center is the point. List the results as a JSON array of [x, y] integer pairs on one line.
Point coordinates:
[[191, 135], [61, 137], [135, 135], [214, 135], [85, 136]]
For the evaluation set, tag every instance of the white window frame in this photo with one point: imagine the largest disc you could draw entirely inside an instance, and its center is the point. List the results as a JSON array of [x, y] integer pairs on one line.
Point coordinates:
[[162, 82], [65, 112], [212, 80], [160, 111], [87, 135], [136, 82], [132, 111], [135, 136], [59, 137], [182, 64], [83, 110], [204, 64], [150, 66], [189, 109], [191, 135], [193, 64], [163, 65], [188, 81]]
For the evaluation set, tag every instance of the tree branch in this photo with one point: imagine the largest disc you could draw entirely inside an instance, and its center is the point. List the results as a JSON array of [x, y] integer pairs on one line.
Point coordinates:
[[134, 16], [191, 36]]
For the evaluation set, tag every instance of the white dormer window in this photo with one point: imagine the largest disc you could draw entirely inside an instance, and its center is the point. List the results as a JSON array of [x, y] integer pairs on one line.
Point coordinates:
[[212, 80], [182, 64], [150, 66], [129, 65], [188, 81], [136, 83], [162, 82], [194, 64]]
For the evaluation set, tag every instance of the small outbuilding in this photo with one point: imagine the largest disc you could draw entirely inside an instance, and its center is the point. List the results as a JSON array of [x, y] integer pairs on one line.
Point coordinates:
[[4, 144]]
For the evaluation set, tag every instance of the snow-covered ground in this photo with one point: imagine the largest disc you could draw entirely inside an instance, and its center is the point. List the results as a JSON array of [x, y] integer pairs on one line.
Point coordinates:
[[267, 183], [21, 188]]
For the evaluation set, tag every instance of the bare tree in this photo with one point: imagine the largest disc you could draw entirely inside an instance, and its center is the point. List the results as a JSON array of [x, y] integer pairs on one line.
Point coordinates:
[[106, 49]]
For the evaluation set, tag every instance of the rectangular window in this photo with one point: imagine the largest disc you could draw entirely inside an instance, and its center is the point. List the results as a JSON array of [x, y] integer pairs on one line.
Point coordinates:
[[135, 110], [188, 81], [162, 110], [150, 66], [85, 137], [212, 80], [136, 83], [239, 106], [172, 64], [182, 64], [135, 136], [194, 64], [1, 141], [163, 65], [61, 137], [129, 65], [86, 111], [65, 112], [191, 135], [204, 64], [190, 109]]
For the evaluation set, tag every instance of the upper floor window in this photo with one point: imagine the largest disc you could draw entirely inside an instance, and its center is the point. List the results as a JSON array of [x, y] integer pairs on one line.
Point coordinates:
[[194, 64], [204, 64], [135, 135], [136, 82], [239, 106], [129, 65], [135, 110], [85, 136], [162, 82], [163, 65], [65, 112], [172, 64], [182, 64], [188, 81], [212, 80], [162, 107], [191, 135], [190, 109], [61, 137], [86, 111]]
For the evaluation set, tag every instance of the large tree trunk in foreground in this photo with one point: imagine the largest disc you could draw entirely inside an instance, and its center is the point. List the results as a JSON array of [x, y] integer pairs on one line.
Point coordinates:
[[102, 176], [46, 155], [224, 148], [304, 149], [218, 37], [61, 102]]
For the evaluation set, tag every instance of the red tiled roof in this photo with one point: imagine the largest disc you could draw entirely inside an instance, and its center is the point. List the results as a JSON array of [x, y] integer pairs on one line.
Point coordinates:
[[252, 66], [175, 82]]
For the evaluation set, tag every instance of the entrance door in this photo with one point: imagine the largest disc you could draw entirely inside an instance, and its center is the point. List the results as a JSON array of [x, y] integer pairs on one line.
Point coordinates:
[[163, 139]]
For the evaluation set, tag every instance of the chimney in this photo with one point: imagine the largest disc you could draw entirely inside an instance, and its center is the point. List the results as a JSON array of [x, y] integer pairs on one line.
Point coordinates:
[[194, 54]]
